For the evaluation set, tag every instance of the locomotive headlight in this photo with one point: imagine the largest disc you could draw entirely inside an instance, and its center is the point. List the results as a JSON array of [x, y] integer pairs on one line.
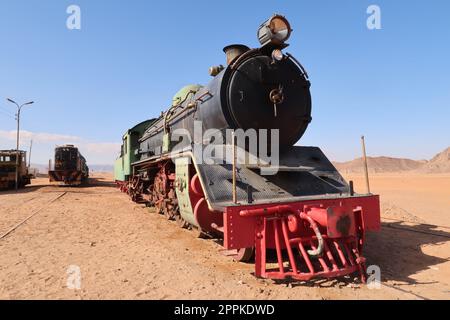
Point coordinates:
[[274, 31], [277, 55]]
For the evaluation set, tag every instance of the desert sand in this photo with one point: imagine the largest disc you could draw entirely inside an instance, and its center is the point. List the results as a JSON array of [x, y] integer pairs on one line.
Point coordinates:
[[126, 251]]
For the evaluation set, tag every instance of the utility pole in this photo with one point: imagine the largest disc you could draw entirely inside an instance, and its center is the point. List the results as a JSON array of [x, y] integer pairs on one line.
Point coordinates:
[[19, 108], [366, 169], [29, 155]]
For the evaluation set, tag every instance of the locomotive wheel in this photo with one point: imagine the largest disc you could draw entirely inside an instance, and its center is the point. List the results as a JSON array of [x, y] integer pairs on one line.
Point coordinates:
[[244, 254], [198, 233], [135, 190], [181, 222], [168, 213]]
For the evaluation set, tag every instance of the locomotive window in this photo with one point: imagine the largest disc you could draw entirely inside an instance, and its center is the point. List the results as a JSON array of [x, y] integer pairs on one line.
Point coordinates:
[[7, 158], [125, 145]]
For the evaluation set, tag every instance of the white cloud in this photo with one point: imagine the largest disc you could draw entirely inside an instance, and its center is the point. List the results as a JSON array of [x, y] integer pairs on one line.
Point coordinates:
[[44, 144], [102, 147], [38, 136]]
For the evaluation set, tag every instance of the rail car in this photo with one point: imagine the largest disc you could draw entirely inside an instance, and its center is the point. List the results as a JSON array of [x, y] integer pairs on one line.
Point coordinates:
[[8, 169], [70, 167], [287, 207], [122, 165]]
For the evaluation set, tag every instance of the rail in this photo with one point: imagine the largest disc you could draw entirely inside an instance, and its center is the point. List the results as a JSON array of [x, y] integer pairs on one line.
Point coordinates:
[[31, 216]]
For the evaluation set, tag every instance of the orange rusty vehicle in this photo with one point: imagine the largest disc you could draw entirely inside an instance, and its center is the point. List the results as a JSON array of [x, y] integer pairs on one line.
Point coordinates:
[[8, 169]]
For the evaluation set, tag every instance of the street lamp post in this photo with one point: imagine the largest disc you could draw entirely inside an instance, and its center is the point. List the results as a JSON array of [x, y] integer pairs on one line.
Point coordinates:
[[19, 108]]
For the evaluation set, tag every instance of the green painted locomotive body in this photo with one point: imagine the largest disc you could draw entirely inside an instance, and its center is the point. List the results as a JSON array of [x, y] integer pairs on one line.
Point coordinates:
[[128, 154]]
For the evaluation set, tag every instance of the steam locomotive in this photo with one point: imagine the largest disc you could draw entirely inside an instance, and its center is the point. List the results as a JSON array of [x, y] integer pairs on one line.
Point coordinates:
[[255, 189]]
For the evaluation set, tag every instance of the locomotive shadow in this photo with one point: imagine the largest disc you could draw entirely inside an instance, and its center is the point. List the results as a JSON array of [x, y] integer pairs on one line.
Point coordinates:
[[92, 182], [98, 182], [397, 250], [27, 189]]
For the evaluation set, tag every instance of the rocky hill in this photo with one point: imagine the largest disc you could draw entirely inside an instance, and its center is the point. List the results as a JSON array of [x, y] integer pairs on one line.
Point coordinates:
[[439, 164]]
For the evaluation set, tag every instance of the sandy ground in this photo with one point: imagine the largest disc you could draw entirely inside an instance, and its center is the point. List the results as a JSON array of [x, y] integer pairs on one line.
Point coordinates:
[[125, 251], [426, 196]]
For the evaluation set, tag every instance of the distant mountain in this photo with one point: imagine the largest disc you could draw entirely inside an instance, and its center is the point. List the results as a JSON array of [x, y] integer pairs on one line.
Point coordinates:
[[101, 168], [439, 164], [379, 164], [40, 168]]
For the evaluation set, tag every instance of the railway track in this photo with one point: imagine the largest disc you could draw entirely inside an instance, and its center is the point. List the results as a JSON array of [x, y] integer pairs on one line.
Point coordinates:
[[12, 229], [418, 296]]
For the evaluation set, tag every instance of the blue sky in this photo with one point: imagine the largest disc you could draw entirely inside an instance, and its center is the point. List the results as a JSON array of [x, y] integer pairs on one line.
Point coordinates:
[[130, 57]]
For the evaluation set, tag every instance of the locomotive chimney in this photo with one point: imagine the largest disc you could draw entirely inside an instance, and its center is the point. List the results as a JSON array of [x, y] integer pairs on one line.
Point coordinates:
[[233, 51]]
